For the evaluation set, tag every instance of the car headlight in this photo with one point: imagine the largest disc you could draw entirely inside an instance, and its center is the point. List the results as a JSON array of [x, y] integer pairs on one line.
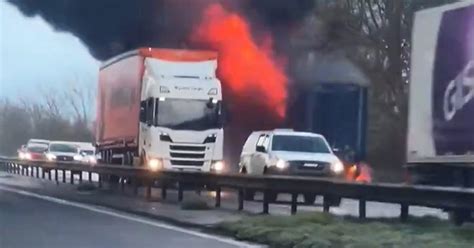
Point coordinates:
[[93, 160], [154, 164], [281, 164], [50, 156], [218, 166], [77, 157], [27, 156], [337, 167]]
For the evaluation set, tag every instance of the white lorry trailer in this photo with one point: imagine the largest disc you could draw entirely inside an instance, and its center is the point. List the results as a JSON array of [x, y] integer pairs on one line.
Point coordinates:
[[440, 149]]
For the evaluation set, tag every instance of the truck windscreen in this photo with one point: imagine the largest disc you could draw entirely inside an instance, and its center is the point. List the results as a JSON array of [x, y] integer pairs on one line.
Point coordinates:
[[187, 114]]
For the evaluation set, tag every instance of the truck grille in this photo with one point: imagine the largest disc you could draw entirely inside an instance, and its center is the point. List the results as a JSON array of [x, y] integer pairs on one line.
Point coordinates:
[[188, 148], [187, 162], [187, 155], [300, 165]]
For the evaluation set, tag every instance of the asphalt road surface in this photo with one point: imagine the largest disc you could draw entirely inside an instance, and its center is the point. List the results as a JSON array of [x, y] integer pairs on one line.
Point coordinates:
[[29, 221]]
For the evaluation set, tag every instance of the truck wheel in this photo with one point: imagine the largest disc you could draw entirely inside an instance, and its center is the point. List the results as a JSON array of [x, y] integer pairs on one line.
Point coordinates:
[[458, 217], [309, 198]]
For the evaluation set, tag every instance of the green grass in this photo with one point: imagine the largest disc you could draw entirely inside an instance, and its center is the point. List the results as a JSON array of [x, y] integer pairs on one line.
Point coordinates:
[[323, 230]]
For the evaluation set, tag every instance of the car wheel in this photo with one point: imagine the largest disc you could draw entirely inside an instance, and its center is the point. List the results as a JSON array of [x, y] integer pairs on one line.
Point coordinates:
[[309, 198], [272, 196], [249, 194], [333, 201]]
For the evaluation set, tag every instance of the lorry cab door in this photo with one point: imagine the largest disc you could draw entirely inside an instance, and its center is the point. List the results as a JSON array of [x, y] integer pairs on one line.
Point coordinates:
[[147, 117]]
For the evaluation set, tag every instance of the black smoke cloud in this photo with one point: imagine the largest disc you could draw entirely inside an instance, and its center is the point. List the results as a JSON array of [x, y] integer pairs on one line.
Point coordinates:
[[110, 27]]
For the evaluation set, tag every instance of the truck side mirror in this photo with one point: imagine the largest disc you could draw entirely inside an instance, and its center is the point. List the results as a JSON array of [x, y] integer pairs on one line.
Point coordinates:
[[143, 111]]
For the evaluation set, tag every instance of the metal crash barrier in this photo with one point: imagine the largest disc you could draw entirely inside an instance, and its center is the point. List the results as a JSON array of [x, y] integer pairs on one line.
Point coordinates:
[[459, 201]]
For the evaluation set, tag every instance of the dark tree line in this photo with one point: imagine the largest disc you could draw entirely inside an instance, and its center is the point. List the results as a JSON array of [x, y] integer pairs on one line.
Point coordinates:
[[53, 116]]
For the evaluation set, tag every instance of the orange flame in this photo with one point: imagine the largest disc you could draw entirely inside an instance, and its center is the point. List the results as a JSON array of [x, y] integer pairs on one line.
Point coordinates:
[[359, 173], [250, 72]]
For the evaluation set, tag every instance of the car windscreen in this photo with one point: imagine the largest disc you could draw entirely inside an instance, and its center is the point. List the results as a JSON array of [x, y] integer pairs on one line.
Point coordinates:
[[36, 149], [293, 143], [62, 148]]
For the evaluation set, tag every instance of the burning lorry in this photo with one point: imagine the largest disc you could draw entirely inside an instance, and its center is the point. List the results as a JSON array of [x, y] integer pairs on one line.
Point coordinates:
[[161, 108]]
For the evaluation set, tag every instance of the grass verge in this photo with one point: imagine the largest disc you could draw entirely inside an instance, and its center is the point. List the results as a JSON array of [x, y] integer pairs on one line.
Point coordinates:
[[323, 230]]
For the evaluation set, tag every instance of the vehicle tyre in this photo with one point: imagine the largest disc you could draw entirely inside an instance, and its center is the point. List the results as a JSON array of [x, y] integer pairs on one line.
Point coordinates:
[[272, 196], [458, 217], [249, 194], [334, 201], [309, 198]]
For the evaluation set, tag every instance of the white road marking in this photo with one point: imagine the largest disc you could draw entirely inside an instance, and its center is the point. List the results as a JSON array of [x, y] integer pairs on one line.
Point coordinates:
[[128, 217]]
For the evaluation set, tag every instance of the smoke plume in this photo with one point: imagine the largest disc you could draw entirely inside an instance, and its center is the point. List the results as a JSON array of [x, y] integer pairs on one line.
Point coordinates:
[[251, 37], [110, 27]]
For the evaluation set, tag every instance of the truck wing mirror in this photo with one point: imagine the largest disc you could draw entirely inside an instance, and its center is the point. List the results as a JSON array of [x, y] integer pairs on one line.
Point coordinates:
[[143, 111]]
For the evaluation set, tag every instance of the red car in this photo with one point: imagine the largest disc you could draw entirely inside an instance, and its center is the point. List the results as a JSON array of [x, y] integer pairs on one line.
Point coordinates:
[[33, 153]]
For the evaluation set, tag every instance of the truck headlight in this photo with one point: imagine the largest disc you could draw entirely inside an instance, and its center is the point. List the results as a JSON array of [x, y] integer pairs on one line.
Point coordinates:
[[217, 166], [281, 164], [77, 157], [50, 156], [154, 164], [337, 167]]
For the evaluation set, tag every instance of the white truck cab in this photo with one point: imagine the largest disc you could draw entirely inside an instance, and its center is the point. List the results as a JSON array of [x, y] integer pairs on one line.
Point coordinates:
[[181, 116], [288, 152]]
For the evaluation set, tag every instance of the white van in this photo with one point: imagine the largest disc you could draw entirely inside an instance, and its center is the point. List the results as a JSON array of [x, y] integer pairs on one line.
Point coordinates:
[[287, 152]]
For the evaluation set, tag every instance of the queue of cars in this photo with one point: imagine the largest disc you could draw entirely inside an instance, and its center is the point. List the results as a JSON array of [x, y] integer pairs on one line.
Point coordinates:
[[45, 150]]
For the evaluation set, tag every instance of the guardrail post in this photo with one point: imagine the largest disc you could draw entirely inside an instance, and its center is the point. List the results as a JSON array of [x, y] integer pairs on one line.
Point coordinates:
[[294, 203], [265, 201], [27, 171], [326, 204], [180, 192], [71, 180], [37, 172], [43, 173], [218, 197], [90, 177], [80, 176], [241, 199], [362, 209], [100, 180], [64, 176], [56, 177], [148, 191], [49, 174], [404, 209], [164, 188], [135, 186], [22, 170]]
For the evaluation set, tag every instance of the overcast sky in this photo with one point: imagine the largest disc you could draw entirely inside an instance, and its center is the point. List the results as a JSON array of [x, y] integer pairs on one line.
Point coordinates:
[[35, 58]]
